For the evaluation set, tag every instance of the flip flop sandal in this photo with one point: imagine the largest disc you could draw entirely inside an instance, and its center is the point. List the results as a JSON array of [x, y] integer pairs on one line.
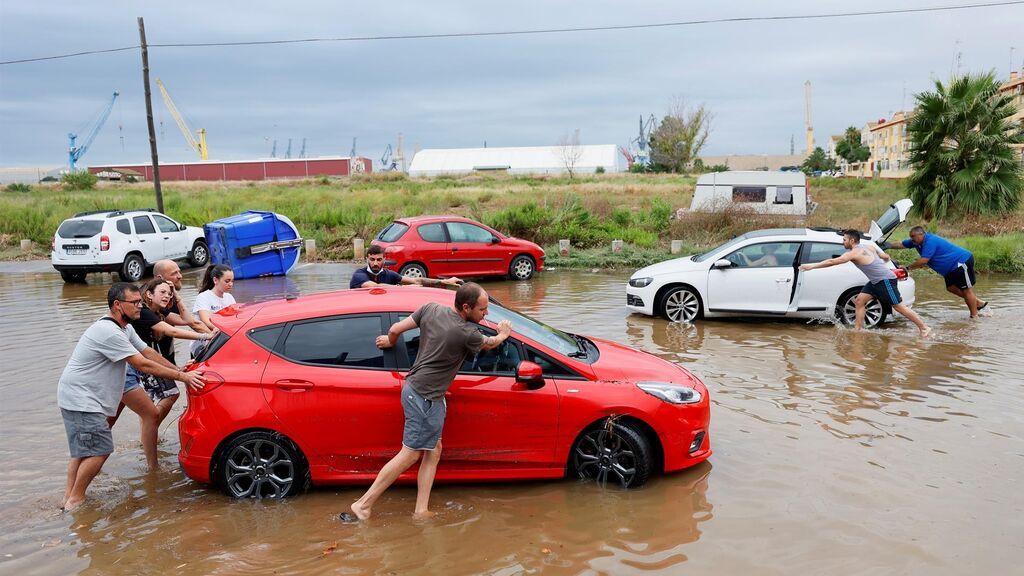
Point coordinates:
[[348, 518], [982, 307]]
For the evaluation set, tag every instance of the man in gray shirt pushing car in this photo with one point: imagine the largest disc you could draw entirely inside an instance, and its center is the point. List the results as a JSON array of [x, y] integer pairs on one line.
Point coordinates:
[[446, 336], [92, 383]]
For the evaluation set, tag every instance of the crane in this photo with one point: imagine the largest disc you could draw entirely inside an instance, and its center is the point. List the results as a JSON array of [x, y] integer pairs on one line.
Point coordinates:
[[807, 117], [639, 146], [386, 163], [76, 152], [200, 146]]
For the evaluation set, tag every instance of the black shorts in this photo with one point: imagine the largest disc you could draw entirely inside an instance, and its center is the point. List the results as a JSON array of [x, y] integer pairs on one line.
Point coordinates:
[[963, 276], [885, 291]]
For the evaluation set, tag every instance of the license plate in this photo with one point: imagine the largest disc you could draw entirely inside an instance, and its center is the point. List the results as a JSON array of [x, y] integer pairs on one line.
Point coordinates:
[[76, 250]]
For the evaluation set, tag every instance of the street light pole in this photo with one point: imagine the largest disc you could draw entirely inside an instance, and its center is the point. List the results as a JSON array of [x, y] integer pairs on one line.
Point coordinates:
[[149, 115]]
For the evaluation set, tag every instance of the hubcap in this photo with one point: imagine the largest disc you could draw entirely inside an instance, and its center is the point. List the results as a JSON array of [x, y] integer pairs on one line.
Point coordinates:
[[259, 469], [681, 306], [135, 269], [199, 254], [523, 269], [872, 312], [414, 272], [601, 455]]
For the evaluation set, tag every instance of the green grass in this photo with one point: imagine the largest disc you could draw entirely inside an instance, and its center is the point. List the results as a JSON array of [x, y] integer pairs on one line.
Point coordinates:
[[590, 210]]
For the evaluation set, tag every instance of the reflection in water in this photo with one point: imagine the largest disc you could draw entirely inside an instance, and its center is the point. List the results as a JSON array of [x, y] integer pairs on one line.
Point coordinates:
[[833, 448]]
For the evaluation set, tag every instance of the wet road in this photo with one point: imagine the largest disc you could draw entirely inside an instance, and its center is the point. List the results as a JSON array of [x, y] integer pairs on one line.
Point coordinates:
[[835, 453]]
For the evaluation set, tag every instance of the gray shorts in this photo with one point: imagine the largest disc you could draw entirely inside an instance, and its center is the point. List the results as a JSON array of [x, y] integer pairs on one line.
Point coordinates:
[[88, 433], [424, 420]]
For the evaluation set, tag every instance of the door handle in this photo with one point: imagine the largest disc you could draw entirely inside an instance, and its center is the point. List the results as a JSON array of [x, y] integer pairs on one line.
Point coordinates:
[[784, 280], [455, 249], [294, 385], [167, 237], [142, 239]]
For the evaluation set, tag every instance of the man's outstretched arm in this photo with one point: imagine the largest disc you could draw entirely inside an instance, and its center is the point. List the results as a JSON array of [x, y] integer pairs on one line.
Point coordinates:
[[830, 262]]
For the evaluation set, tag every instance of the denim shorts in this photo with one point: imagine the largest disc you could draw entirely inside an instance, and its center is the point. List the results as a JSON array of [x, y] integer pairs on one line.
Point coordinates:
[[88, 433], [424, 420], [131, 380]]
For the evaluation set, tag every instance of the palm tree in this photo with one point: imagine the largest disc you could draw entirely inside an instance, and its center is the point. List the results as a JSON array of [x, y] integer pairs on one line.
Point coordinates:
[[960, 137]]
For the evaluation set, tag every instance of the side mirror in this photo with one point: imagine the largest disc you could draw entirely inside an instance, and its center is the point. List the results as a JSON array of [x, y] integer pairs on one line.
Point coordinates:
[[530, 374], [181, 227], [723, 263], [495, 240]]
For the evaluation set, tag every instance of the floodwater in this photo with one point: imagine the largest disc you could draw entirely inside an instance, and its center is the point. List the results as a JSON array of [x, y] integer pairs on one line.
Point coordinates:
[[835, 453]]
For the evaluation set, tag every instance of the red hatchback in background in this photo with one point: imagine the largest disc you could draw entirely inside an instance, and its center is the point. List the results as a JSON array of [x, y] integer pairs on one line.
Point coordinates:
[[298, 392], [453, 246]]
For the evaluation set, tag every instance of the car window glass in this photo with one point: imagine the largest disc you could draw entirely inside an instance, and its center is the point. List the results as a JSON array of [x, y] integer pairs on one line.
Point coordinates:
[[818, 251], [784, 195], [432, 232], [123, 226], [336, 342], [266, 337], [749, 193], [767, 255], [392, 232], [80, 228], [143, 225], [501, 360], [462, 232], [165, 223], [549, 366]]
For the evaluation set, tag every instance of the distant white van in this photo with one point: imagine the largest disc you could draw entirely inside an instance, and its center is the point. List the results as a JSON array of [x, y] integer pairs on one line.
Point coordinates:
[[783, 193]]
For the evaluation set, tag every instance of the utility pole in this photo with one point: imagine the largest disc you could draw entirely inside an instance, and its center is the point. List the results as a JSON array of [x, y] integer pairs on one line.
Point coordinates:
[[149, 116]]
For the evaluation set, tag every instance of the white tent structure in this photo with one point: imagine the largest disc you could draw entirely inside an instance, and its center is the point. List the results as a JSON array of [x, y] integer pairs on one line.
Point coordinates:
[[521, 160]]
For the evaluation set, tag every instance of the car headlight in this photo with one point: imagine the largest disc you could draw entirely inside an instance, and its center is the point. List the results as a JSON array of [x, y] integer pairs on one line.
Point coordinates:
[[669, 392], [640, 282]]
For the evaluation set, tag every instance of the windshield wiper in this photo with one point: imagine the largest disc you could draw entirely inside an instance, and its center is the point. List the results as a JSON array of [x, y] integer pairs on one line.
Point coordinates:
[[581, 342]]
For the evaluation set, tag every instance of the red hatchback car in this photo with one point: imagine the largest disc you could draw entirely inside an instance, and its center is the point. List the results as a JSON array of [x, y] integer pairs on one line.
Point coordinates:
[[298, 392], [454, 246]]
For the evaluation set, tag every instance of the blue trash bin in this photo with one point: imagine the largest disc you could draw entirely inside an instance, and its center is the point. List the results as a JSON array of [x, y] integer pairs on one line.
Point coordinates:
[[254, 243]]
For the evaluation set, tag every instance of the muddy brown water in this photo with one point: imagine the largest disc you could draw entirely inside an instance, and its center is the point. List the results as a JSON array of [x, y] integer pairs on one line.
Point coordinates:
[[835, 453]]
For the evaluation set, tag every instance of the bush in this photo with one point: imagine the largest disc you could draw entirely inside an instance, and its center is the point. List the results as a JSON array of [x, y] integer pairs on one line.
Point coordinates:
[[599, 170], [18, 187], [83, 180], [48, 179]]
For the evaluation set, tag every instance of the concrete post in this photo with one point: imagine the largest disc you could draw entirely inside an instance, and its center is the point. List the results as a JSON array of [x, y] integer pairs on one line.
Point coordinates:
[[616, 245], [310, 249], [358, 249], [26, 245], [563, 247], [677, 246]]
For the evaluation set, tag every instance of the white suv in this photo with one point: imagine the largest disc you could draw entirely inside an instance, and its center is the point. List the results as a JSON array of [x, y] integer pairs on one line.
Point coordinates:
[[123, 241]]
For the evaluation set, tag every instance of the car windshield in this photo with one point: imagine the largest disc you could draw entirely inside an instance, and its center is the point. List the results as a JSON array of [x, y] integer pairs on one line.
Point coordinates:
[[80, 228], [714, 251], [534, 330]]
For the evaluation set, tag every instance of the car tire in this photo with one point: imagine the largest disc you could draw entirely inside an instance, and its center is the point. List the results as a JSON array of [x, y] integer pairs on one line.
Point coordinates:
[[846, 310], [521, 268], [680, 304], [200, 254], [261, 464], [414, 270], [133, 269], [612, 452], [72, 277]]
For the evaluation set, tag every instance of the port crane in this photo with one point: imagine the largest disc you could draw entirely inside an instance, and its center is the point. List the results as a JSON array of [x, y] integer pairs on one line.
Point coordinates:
[[639, 147], [199, 146], [76, 152]]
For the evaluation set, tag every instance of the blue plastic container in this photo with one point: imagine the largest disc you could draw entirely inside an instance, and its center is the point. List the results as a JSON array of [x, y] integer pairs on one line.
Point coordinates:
[[254, 243]]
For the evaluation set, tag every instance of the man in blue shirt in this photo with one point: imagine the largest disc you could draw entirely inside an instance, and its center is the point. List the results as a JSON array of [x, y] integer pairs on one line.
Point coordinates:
[[375, 274], [953, 263]]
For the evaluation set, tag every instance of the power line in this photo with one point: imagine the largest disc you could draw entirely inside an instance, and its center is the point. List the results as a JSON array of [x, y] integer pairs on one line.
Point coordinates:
[[544, 30]]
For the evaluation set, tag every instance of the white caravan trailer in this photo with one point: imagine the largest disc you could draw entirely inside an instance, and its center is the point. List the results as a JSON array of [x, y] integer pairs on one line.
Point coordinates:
[[783, 193]]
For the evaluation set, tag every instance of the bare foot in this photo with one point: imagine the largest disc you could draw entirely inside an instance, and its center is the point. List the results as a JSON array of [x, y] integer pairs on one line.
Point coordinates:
[[362, 512], [70, 504], [425, 515], [927, 330]]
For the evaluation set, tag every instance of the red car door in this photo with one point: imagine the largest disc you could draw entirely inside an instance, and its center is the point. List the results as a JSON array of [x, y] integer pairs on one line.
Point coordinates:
[[336, 393], [472, 251], [432, 249], [493, 423]]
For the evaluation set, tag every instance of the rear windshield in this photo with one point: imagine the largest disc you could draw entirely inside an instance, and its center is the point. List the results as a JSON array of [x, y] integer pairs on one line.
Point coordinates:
[[393, 232], [80, 228], [211, 347]]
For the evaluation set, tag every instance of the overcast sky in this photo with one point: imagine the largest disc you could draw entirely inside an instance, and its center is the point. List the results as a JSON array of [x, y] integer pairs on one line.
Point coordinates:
[[462, 92]]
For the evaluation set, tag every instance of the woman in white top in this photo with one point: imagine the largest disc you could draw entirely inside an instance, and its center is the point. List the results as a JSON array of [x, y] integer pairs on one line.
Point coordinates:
[[214, 294]]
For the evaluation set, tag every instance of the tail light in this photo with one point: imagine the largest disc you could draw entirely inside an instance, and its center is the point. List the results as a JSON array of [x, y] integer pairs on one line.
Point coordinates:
[[104, 243], [213, 381], [53, 244], [901, 274], [393, 248]]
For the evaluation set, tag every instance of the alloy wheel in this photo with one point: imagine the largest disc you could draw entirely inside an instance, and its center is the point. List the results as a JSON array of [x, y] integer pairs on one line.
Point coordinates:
[[872, 312], [522, 269], [602, 454], [682, 306], [259, 468]]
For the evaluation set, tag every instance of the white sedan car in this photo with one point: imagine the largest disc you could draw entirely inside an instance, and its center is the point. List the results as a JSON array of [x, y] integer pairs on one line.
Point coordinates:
[[758, 274]]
